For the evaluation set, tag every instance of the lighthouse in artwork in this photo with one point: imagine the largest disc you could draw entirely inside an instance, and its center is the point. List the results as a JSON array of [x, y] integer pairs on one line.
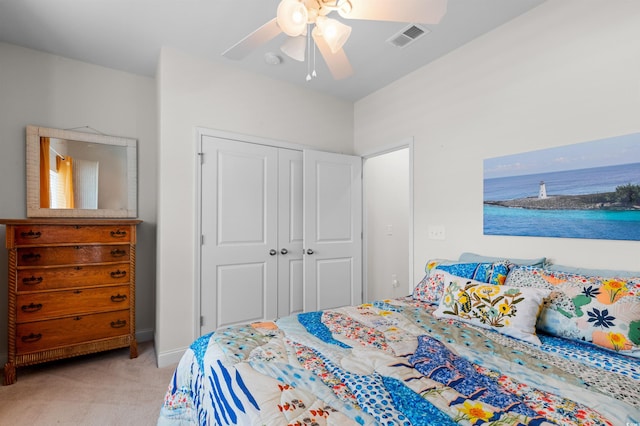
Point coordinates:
[[542, 194]]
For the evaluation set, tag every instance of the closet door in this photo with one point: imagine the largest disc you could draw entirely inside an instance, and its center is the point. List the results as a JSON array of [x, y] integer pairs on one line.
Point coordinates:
[[290, 278], [260, 206], [332, 230], [239, 222]]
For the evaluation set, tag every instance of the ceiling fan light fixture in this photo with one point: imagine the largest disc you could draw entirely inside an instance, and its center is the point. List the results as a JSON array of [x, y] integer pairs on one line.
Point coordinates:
[[292, 17], [295, 47], [334, 32]]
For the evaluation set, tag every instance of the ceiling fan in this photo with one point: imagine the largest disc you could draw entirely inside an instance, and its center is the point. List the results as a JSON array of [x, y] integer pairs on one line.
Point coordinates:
[[296, 18]]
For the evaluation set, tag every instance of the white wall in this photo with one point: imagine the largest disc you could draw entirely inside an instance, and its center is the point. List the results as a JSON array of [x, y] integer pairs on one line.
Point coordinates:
[[386, 196], [51, 91], [566, 72], [196, 93]]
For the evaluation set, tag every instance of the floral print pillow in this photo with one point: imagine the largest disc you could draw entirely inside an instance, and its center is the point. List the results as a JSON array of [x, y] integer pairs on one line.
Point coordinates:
[[489, 272], [509, 310], [431, 287], [493, 273], [604, 311]]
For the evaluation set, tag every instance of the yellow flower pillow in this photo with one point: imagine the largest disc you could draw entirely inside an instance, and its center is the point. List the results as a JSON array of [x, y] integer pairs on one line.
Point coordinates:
[[508, 310]]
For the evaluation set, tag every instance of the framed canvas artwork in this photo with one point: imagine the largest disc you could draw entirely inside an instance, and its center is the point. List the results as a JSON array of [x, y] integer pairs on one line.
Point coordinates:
[[585, 190]]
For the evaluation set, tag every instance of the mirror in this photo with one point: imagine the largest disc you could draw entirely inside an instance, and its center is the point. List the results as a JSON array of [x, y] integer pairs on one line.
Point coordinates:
[[79, 174]]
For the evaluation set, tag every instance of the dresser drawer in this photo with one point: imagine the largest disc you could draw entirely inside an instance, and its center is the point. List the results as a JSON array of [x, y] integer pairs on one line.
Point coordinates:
[[46, 305], [69, 255], [42, 335], [71, 276], [68, 234]]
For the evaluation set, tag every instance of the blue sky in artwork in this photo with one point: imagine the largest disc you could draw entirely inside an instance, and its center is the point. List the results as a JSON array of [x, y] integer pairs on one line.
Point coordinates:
[[603, 152]]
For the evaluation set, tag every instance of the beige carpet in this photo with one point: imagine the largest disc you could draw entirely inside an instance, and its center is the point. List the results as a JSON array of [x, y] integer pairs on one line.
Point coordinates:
[[101, 389]]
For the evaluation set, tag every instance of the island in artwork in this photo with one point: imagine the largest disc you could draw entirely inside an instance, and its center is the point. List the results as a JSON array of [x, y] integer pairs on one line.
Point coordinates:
[[625, 197], [603, 215]]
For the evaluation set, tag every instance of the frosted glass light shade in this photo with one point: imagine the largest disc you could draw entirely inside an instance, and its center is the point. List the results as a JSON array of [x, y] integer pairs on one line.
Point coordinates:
[[334, 32], [295, 47], [292, 17]]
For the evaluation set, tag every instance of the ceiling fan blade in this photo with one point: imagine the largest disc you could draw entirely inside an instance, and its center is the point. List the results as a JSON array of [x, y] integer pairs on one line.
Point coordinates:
[[257, 38], [338, 63], [417, 11]]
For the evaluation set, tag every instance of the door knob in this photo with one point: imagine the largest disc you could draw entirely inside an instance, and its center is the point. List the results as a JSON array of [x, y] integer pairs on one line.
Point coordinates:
[[309, 251], [284, 251], [272, 252]]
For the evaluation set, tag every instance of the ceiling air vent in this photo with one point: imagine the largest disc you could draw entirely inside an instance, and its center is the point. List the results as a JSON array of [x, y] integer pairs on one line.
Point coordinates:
[[408, 36]]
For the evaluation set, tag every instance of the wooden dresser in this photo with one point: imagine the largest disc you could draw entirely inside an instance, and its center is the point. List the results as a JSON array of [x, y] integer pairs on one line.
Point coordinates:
[[71, 288]]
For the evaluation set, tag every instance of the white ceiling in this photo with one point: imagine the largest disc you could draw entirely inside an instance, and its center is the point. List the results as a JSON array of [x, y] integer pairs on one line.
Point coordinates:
[[128, 34]]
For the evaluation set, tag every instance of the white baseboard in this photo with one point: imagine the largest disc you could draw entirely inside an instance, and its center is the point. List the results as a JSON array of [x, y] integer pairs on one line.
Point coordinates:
[[164, 359], [169, 358]]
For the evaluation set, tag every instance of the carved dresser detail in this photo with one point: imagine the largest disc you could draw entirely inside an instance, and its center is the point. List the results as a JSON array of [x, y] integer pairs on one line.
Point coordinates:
[[71, 289]]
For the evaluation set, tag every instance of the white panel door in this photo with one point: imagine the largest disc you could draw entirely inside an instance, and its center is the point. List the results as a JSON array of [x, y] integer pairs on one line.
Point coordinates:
[[290, 291], [332, 230], [239, 222]]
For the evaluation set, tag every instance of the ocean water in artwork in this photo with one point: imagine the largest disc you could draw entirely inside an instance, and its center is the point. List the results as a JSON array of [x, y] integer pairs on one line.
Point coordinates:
[[596, 224]]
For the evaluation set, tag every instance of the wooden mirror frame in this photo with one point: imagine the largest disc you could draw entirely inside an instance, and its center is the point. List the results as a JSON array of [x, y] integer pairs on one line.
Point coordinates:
[[34, 133]]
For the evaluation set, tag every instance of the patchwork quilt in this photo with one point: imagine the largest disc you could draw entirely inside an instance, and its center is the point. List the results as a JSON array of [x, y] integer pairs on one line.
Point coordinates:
[[393, 363]]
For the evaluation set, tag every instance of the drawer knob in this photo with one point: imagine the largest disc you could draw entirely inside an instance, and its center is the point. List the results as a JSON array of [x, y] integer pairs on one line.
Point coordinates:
[[32, 235], [32, 307], [118, 298], [118, 324], [118, 253], [31, 257], [118, 274], [118, 234], [32, 338], [32, 280]]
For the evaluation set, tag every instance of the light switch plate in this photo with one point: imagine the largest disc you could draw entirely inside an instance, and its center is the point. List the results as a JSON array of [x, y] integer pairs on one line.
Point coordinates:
[[435, 232]]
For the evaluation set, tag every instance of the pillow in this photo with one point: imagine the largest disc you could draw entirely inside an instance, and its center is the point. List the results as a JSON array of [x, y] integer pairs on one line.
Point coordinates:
[[590, 271], [472, 257], [430, 288], [508, 310], [604, 311], [434, 263], [491, 272]]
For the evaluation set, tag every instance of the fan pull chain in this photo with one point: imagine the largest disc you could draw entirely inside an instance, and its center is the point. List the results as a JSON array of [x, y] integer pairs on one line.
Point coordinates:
[[313, 74], [309, 53]]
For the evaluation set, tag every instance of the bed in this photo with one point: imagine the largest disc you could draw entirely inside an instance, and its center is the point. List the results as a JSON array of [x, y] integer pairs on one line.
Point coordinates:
[[484, 342]]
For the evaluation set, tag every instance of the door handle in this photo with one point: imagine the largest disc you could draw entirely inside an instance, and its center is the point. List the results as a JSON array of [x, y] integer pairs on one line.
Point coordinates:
[[284, 251], [272, 252], [309, 251]]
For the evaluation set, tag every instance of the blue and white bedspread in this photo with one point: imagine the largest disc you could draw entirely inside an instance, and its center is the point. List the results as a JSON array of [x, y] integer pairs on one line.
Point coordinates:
[[393, 363]]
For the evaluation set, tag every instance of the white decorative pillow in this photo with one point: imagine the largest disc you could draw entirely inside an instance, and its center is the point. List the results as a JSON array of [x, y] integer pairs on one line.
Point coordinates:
[[508, 310]]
